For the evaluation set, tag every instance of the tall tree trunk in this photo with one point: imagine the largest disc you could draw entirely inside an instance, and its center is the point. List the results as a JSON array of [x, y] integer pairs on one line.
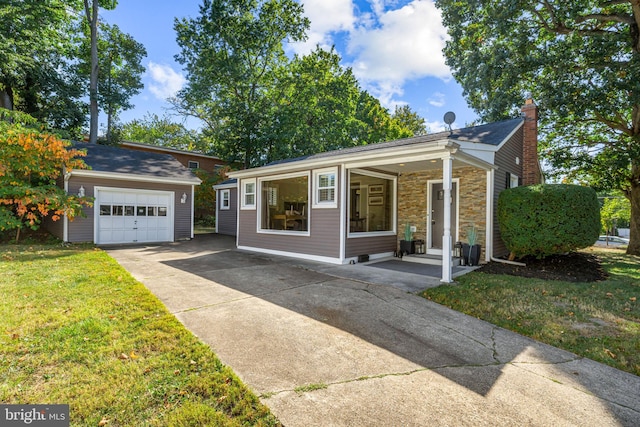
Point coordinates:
[[6, 98], [92, 18], [634, 198], [110, 104]]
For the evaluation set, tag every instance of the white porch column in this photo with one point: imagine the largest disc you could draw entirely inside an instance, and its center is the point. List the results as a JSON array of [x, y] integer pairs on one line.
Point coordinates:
[[447, 165]]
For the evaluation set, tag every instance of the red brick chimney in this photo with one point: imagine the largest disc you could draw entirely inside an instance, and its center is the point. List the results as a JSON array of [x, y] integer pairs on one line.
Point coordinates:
[[530, 165]]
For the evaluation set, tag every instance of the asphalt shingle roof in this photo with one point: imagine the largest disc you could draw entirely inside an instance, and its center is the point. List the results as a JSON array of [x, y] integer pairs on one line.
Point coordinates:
[[490, 134], [106, 158]]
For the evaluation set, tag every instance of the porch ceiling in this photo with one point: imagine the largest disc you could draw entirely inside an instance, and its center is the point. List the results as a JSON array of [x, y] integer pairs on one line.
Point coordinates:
[[422, 165]]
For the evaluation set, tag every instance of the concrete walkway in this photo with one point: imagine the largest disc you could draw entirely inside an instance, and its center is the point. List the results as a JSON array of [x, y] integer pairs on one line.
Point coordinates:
[[338, 346]]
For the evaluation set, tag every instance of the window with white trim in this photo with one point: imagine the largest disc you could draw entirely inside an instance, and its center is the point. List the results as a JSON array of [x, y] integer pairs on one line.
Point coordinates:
[[284, 204], [249, 193], [225, 200], [325, 185], [371, 202], [193, 164], [513, 181]]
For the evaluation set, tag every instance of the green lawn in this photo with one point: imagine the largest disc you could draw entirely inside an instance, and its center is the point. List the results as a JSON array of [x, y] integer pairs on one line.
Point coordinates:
[[598, 320], [76, 328]]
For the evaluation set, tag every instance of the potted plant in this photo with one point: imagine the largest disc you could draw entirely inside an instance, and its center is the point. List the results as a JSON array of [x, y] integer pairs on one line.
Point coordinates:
[[407, 245], [474, 248]]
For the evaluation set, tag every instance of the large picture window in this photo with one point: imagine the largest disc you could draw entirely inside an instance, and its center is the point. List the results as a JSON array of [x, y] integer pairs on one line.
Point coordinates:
[[285, 203], [371, 203]]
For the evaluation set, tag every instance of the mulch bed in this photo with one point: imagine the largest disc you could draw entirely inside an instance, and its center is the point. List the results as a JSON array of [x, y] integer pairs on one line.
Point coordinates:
[[572, 267]]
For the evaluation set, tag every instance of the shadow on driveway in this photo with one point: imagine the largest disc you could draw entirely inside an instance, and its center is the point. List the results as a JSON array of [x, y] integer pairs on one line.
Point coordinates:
[[280, 327]]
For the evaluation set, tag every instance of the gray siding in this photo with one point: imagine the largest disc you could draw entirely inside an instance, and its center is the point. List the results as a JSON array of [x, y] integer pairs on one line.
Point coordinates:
[[505, 159], [227, 220], [370, 245], [81, 229], [324, 231], [324, 238]]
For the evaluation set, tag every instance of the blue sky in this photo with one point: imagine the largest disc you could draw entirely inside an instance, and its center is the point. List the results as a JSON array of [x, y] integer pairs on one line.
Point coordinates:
[[393, 46]]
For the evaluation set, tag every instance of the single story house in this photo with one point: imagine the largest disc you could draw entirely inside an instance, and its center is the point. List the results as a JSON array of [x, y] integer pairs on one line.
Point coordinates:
[[139, 197], [354, 203]]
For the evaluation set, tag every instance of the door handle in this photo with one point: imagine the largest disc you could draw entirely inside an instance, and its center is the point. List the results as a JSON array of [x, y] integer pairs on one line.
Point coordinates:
[[433, 222]]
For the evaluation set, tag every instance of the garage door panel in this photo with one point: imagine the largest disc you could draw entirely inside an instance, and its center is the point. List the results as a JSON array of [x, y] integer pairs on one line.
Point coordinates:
[[128, 216]]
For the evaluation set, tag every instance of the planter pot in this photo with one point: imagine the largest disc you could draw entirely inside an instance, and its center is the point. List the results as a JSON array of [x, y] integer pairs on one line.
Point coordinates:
[[474, 255], [407, 246], [465, 254]]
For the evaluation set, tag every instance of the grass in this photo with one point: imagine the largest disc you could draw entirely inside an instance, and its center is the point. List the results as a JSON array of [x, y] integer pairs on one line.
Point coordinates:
[[598, 320], [76, 328]]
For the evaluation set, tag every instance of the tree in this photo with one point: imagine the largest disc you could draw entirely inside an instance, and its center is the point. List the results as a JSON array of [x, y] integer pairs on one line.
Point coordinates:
[[375, 124], [231, 53], [120, 61], [581, 61], [152, 129], [615, 212], [410, 120], [91, 13], [37, 75], [28, 189], [314, 107]]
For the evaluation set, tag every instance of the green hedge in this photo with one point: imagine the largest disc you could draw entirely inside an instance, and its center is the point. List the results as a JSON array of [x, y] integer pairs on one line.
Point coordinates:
[[547, 219]]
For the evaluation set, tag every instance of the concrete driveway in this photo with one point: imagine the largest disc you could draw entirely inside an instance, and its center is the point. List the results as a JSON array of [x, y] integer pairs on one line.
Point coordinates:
[[329, 346]]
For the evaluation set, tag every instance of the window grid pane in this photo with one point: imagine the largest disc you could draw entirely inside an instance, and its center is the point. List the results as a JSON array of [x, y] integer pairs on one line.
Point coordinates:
[[326, 188]]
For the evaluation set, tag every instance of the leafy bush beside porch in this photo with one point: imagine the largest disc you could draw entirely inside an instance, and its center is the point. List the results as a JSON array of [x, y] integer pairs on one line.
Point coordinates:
[[546, 219]]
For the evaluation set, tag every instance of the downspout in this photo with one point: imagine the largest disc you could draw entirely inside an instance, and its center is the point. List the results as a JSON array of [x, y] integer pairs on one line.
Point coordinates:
[[217, 206], [490, 210], [239, 196], [489, 216], [193, 204], [344, 211], [65, 219]]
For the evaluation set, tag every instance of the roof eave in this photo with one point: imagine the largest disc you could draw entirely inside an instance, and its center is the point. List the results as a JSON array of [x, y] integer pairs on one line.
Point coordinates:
[[442, 145], [166, 149], [131, 177]]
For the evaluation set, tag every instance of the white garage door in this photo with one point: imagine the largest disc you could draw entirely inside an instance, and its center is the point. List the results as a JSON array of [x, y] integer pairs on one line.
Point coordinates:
[[130, 216]]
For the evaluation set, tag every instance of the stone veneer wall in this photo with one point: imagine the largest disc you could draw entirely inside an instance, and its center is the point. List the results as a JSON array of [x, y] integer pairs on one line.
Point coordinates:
[[412, 202]]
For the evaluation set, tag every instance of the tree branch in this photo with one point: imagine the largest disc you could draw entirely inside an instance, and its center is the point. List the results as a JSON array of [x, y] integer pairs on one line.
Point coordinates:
[[618, 124], [603, 17]]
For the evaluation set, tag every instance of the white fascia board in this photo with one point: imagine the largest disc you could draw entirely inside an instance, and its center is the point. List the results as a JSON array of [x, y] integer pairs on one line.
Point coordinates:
[[225, 186], [135, 178], [370, 158]]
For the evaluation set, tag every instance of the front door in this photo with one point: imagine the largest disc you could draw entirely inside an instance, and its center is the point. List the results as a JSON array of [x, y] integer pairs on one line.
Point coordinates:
[[436, 219]]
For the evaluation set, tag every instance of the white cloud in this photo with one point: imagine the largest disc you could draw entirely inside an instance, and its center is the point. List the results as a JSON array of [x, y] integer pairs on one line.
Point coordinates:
[[437, 126], [407, 44], [437, 100], [165, 81], [387, 45], [327, 17]]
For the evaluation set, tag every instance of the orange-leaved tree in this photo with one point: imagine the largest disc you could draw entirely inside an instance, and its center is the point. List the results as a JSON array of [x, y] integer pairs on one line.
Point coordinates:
[[31, 163]]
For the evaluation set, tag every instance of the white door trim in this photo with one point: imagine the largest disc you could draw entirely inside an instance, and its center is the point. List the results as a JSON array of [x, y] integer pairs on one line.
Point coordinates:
[[455, 229]]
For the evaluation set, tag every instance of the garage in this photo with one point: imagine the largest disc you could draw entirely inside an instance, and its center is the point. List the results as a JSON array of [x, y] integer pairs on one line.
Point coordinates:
[[138, 197], [133, 216]]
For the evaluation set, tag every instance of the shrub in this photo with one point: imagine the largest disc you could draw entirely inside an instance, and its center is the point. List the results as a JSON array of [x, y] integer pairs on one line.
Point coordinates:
[[547, 219]]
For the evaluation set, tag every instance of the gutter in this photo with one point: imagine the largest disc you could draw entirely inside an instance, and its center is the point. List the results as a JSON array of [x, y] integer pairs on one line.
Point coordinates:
[[505, 261]]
